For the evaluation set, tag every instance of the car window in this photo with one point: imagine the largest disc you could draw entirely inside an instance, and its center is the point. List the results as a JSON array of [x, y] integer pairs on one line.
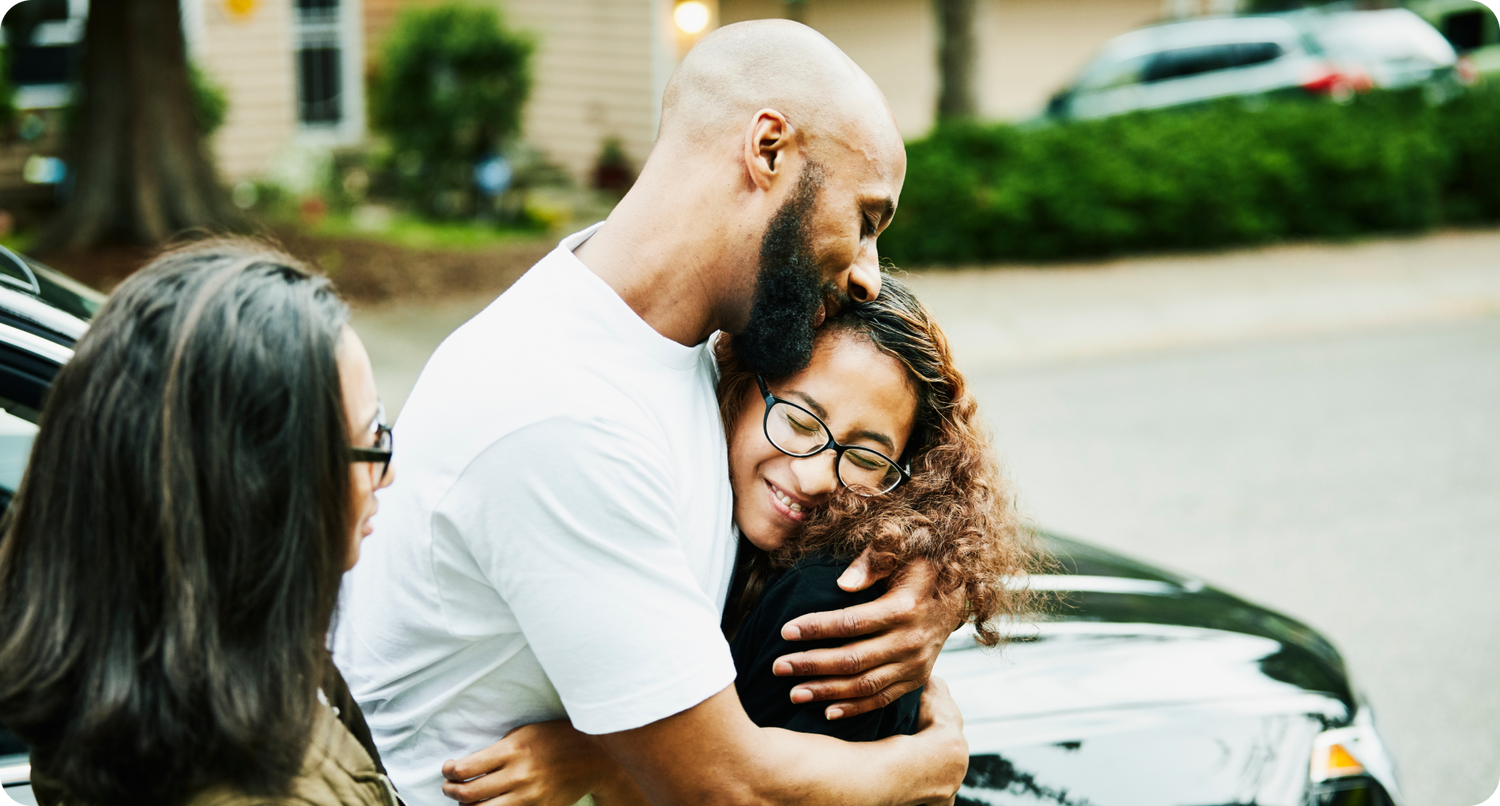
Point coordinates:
[[1183, 62], [1111, 73], [16, 436]]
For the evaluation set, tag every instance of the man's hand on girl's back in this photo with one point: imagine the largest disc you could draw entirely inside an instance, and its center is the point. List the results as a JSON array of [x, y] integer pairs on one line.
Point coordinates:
[[900, 635]]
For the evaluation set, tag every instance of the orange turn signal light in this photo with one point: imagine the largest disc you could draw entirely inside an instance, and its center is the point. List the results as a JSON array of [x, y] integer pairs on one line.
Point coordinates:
[[1335, 762]]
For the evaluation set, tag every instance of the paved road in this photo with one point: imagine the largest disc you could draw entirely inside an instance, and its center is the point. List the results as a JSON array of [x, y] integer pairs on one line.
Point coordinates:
[[1352, 481], [1315, 427]]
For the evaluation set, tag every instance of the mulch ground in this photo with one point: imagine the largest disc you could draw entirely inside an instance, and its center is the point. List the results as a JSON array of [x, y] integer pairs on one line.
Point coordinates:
[[365, 271]]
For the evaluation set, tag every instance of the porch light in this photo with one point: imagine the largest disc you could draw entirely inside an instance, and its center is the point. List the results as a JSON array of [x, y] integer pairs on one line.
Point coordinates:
[[691, 16]]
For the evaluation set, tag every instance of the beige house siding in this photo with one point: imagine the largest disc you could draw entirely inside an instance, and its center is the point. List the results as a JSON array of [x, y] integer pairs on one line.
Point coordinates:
[[1027, 48], [892, 40], [596, 75], [251, 58]]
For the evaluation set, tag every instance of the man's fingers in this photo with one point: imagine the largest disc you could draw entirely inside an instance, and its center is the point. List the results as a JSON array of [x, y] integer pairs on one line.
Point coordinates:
[[859, 575], [488, 760], [892, 610], [832, 662], [847, 708], [905, 648], [483, 788], [851, 687]]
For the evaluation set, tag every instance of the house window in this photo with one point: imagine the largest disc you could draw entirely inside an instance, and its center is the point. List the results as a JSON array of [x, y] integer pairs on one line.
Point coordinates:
[[320, 57], [42, 37]]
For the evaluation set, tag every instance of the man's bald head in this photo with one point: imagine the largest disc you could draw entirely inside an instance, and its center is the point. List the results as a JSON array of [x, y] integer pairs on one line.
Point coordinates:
[[777, 167], [741, 69]]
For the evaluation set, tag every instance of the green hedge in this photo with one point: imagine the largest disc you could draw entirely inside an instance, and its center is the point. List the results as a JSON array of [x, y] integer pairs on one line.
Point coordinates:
[[1222, 174], [449, 92]]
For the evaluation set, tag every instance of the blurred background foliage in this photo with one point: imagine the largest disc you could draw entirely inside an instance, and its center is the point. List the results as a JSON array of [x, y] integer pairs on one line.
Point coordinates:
[[7, 91], [210, 102], [448, 95], [1234, 172]]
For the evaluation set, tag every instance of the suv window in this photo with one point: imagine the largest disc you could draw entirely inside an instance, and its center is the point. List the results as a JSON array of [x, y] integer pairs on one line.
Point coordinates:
[[1465, 30], [1183, 62], [1111, 74]]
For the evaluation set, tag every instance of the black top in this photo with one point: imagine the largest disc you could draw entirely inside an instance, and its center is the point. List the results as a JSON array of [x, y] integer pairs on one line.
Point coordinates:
[[810, 586]]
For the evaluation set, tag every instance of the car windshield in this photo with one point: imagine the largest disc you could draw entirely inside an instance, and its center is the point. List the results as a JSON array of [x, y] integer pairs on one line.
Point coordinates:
[[17, 432]]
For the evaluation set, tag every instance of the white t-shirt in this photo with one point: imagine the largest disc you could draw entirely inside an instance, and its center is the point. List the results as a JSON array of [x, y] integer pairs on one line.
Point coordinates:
[[558, 540]]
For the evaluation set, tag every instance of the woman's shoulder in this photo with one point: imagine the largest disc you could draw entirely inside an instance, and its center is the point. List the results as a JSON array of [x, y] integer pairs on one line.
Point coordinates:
[[337, 769], [336, 772]]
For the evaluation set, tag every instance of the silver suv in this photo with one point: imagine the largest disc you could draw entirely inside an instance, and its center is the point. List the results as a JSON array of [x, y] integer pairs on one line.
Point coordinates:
[[1331, 54]]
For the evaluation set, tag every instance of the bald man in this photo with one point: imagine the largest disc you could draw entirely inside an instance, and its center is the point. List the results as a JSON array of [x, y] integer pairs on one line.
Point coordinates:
[[561, 545]]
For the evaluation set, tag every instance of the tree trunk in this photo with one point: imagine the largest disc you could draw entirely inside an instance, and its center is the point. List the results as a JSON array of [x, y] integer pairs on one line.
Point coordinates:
[[957, 52], [141, 170]]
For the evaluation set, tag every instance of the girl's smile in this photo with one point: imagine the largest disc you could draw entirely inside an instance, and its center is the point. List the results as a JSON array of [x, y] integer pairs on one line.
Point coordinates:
[[864, 398]]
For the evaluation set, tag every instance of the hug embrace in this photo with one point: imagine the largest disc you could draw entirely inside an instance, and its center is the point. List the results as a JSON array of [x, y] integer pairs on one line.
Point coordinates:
[[684, 516]]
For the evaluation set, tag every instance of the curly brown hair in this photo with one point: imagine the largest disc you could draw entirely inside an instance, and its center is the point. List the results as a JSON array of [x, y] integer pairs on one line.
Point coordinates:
[[958, 511]]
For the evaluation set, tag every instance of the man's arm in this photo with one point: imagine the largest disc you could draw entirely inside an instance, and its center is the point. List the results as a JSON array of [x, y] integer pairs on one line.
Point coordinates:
[[573, 520], [713, 753], [902, 633]]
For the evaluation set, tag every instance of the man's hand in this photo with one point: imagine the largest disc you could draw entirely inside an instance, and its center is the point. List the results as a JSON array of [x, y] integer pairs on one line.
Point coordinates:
[[941, 712], [903, 633], [545, 764]]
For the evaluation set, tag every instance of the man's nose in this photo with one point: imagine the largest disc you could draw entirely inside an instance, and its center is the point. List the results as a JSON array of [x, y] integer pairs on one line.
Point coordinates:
[[864, 276], [816, 475]]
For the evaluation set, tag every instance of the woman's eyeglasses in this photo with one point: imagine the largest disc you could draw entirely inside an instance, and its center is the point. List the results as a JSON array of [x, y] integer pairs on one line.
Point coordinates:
[[385, 445], [797, 432]]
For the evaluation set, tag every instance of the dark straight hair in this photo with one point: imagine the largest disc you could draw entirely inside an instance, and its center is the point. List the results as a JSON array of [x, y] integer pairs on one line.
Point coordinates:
[[171, 562]]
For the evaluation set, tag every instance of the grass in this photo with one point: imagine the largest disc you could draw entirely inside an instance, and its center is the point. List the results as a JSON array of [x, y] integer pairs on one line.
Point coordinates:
[[411, 232], [19, 241]]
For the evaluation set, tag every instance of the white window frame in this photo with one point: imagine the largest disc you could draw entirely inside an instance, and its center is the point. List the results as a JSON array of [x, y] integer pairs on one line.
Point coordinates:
[[346, 27]]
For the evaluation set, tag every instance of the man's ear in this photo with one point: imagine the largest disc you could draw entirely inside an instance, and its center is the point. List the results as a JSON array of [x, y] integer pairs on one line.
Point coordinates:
[[766, 144]]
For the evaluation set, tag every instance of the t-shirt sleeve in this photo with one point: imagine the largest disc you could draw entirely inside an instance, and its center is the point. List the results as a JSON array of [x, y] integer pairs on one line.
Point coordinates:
[[574, 523], [808, 587]]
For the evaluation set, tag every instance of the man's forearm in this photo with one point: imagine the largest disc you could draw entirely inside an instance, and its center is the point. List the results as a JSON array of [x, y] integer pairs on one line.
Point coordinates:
[[712, 753]]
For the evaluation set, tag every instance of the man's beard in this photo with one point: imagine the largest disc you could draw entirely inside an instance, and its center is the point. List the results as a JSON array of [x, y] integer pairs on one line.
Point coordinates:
[[778, 339]]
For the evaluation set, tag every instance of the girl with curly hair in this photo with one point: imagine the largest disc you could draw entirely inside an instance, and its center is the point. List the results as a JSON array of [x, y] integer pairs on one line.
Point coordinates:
[[877, 445]]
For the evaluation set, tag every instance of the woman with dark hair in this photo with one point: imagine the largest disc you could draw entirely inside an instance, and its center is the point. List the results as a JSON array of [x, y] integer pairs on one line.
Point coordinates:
[[877, 445], [203, 474]]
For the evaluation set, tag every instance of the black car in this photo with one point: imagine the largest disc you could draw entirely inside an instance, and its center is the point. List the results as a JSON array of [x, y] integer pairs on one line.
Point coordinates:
[[42, 314], [1144, 688], [1139, 687]]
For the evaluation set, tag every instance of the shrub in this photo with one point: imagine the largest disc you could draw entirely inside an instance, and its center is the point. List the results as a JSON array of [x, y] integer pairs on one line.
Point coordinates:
[[1222, 174], [7, 91], [210, 101], [449, 92], [1470, 125]]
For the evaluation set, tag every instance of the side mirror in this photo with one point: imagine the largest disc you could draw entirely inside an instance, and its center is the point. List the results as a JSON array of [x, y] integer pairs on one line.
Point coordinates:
[[1057, 107]]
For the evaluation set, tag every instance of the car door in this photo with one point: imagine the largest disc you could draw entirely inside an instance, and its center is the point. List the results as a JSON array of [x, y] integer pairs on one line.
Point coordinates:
[[1111, 83]]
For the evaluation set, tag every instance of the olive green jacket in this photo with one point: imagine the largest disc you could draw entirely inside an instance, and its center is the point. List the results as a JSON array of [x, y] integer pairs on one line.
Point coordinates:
[[341, 768], [336, 772]]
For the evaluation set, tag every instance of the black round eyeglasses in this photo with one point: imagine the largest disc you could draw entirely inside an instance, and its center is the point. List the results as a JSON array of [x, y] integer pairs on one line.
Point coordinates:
[[797, 432], [385, 446]]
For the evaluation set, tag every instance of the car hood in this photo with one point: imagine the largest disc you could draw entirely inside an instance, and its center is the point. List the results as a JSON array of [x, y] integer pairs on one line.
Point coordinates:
[[1144, 687]]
